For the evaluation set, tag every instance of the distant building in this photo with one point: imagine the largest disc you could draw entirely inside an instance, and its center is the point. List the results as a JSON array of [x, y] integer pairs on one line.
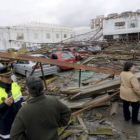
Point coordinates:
[[97, 22], [138, 11], [34, 33], [130, 14], [113, 15], [122, 26]]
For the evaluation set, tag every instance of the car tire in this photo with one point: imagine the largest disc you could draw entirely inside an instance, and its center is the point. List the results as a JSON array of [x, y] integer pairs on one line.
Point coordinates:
[[58, 69], [27, 74]]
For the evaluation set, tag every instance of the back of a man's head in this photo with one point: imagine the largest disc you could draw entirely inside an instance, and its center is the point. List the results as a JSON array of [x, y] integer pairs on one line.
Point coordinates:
[[35, 86]]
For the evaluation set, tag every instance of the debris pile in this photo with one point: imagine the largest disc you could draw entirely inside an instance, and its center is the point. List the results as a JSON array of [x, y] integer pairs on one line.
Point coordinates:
[[90, 94]]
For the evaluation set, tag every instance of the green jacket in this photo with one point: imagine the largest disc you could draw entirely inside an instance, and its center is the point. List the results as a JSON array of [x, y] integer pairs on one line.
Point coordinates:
[[39, 119]]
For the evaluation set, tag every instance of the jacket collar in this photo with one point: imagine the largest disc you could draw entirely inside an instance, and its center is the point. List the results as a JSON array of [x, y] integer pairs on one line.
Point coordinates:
[[131, 72], [128, 72], [5, 85], [36, 99]]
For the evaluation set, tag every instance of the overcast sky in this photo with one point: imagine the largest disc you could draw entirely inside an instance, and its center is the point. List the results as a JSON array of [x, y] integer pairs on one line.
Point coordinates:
[[70, 13]]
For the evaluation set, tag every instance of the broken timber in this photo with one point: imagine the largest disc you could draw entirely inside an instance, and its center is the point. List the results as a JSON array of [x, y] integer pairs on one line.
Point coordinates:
[[81, 103], [55, 62], [88, 91], [95, 103], [115, 52], [82, 124]]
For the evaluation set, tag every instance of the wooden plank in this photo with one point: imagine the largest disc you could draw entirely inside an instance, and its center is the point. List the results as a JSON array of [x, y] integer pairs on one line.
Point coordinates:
[[95, 104], [75, 104], [114, 108], [114, 52], [82, 124], [117, 52], [81, 103], [58, 63], [88, 91]]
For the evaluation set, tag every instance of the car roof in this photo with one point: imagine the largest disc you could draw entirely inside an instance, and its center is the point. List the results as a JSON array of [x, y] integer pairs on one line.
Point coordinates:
[[57, 53]]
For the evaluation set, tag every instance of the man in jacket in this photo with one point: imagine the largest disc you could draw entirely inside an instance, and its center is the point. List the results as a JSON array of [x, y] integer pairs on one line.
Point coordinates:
[[10, 102], [40, 118]]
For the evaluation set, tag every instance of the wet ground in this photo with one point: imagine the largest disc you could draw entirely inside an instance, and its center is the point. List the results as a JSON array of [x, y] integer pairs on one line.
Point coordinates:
[[121, 129], [127, 130]]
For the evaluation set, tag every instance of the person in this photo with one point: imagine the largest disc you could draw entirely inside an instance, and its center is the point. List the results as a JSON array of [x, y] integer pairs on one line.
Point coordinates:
[[10, 101], [13, 76], [129, 92], [41, 116]]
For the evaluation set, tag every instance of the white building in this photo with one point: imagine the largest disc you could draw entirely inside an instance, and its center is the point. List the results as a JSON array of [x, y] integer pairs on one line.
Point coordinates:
[[35, 33], [123, 26]]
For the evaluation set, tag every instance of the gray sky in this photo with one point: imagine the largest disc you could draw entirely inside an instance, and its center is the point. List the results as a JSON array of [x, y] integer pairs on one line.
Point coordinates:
[[70, 13]]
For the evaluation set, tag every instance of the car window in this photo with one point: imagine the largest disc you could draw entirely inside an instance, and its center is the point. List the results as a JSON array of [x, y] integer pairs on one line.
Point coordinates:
[[71, 55], [75, 49], [54, 56], [22, 62], [66, 49], [65, 56]]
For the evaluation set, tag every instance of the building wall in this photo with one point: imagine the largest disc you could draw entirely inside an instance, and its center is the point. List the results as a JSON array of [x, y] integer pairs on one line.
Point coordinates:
[[112, 15], [97, 22], [11, 37], [121, 26]]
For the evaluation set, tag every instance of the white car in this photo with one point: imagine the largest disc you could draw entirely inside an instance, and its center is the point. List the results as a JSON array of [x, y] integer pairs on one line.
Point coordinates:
[[26, 67]]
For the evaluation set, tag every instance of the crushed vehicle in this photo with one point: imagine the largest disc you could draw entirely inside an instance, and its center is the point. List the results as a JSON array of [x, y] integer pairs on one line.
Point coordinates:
[[26, 67], [64, 57]]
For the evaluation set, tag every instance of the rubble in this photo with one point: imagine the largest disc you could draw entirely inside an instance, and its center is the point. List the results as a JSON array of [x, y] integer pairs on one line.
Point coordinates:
[[114, 108], [95, 104]]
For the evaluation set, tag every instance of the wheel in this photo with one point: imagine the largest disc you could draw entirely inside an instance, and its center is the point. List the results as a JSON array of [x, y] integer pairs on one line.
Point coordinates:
[[58, 69], [27, 74]]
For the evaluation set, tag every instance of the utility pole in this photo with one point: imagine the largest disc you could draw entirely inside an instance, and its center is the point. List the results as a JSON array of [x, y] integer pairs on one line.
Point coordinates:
[[9, 36], [42, 36], [28, 34], [5, 43]]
